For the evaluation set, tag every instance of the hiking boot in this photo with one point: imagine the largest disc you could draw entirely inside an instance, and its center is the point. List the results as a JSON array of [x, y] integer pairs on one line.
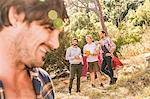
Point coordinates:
[[101, 85], [93, 86], [78, 91], [113, 81]]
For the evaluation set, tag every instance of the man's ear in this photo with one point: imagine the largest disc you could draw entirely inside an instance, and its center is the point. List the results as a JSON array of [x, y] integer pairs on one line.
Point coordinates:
[[14, 17]]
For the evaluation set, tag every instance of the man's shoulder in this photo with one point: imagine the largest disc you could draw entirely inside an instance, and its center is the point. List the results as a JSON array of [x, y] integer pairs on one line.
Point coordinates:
[[85, 45], [1, 84], [46, 89], [90, 45], [44, 75], [93, 43], [2, 95], [79, 48], [69, 48], [107, 38]]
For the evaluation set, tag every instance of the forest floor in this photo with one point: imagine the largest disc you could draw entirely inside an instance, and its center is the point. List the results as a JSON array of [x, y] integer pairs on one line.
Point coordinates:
[[133, 83]]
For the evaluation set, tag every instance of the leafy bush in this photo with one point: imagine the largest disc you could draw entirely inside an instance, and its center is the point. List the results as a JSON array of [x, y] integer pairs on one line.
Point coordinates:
[[125, 34], [141, 16]]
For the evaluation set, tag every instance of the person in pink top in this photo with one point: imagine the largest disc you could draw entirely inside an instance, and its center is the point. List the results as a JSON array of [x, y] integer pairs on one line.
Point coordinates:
[[108, 47]]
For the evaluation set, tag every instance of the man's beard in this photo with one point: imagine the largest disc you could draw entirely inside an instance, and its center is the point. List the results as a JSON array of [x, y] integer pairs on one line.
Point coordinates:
[[75, 44]]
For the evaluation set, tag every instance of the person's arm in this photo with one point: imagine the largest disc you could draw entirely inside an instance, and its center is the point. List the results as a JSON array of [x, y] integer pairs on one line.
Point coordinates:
[[80, 54], [84, 51], [96, 50], [112, 46], [68, 55]]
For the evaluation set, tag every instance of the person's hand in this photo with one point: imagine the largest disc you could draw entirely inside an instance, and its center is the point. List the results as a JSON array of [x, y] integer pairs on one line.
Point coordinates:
[[87, 53], [108, 54], [94, 54], [97, 51], [77, 57], [112, 55]]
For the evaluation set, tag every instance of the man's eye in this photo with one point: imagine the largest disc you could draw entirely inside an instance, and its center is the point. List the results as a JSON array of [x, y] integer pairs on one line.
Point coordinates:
[[49, 28]]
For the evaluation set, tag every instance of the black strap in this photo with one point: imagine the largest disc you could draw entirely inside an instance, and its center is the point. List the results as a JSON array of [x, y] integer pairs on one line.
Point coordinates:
[[105, 50]]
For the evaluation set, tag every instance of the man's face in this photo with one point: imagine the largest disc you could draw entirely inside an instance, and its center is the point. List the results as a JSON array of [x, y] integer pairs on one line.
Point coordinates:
[[102, 35], [75, 42], [89, 39], [34, 41]]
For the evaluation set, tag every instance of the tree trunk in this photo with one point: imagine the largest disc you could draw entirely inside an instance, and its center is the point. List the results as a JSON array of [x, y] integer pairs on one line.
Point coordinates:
[[101, 18]]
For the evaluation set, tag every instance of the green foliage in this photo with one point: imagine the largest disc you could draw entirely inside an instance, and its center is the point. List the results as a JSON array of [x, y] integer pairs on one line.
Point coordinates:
[[81, 24], [117, 10], [124, 34], [141, 15], [55, 59]]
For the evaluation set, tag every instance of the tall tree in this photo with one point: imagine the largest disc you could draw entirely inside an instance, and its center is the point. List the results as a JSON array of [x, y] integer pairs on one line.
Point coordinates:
[[92, 5], [101, 17]]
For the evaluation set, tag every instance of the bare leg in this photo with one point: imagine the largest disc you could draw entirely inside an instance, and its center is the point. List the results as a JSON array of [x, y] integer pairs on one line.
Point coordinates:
[[99, 77], [92, 75]]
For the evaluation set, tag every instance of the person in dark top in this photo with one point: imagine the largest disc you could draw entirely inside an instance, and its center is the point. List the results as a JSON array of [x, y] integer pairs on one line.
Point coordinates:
[[108, 48], [28, 30]]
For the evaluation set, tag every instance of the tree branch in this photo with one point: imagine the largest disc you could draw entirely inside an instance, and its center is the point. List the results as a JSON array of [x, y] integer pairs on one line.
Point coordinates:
[[83, 3], [94, 10], [78, 5]]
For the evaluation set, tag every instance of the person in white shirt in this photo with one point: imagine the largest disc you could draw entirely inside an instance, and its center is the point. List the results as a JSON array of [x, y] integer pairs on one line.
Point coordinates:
[[89, 50], [73, 54]]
